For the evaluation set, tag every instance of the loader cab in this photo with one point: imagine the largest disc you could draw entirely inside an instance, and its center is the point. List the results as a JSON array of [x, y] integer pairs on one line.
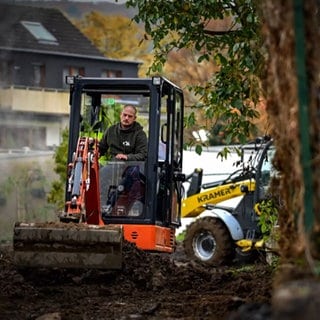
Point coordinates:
[[257, 158], [265, 170], [133, 192]]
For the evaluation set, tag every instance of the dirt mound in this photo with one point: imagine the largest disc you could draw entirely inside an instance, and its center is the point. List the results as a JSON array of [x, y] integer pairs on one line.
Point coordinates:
[[150, 286]]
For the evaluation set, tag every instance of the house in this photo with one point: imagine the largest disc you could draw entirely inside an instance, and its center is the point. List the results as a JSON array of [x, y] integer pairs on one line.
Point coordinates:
[[39, 47]]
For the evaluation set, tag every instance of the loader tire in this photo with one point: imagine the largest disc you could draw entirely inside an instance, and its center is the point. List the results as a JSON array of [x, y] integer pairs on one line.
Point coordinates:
[[208, 241]]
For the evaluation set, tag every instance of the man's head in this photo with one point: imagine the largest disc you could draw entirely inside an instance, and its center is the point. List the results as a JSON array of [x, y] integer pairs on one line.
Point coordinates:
[[128, 116]]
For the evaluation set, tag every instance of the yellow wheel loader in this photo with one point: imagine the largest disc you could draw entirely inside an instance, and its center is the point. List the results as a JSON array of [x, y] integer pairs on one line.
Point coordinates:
[[219, 234]]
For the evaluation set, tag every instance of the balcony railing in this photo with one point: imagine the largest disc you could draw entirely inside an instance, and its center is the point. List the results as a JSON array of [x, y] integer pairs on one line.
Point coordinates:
[[27, 99]]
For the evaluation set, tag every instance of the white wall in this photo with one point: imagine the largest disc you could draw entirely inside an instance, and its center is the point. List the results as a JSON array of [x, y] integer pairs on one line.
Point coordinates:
[[214, 169]]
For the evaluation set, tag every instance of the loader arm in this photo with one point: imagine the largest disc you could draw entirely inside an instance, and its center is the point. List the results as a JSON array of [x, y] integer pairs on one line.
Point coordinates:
[[194, 205]]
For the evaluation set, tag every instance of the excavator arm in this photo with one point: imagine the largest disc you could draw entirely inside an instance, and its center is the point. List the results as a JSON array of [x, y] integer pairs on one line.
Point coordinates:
[[83, 204]]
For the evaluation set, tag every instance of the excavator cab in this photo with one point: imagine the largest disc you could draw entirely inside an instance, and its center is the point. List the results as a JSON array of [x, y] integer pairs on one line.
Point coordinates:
[[112, 201]]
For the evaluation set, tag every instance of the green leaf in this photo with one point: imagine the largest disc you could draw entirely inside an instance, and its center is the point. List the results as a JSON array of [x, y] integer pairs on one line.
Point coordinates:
[[198, 149]]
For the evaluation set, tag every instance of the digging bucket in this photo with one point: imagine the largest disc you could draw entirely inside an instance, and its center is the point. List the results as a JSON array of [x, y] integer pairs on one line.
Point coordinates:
[[67, 245]]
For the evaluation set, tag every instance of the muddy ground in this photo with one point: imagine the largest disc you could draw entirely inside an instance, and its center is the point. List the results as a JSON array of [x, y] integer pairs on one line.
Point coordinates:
[[149, 287]]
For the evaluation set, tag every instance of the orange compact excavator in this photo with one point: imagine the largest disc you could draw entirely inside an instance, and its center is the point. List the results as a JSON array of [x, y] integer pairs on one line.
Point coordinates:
[[105, 205]]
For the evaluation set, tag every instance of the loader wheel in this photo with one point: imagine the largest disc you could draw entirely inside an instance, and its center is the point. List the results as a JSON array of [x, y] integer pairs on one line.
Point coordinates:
[[208, 241]]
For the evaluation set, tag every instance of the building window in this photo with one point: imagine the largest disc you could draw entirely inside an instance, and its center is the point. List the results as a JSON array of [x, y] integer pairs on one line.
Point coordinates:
[[40, 32], [71, 71], [6, 72], [111, 73], [39, 75]]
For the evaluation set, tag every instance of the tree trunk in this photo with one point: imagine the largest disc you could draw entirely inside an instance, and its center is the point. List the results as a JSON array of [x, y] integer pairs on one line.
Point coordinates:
[[284, 111]]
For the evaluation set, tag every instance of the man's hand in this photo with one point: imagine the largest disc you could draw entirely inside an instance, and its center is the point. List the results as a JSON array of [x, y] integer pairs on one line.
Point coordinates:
[[121, 156]]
